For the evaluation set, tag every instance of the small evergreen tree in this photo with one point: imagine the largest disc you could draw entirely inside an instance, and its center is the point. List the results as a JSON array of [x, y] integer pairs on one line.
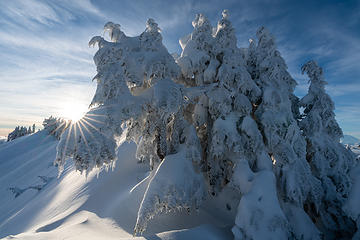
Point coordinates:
[[54, 126]]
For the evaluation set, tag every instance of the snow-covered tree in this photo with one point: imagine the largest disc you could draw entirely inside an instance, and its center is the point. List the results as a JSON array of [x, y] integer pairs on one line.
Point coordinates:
[[280, 130], [214, 63], [55, 126], [330, 161], [137, 99], [216, 118], [230, 106], [19, 131]]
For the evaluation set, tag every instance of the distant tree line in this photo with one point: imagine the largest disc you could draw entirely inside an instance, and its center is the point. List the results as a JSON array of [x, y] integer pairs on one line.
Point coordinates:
[[52, 125], [20, 131]]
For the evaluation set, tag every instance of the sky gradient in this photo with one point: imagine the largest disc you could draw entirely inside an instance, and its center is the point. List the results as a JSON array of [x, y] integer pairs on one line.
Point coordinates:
[[46, 65]]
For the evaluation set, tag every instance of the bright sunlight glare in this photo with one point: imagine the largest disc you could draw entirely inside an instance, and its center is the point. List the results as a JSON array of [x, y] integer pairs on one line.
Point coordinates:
[[73, 111]]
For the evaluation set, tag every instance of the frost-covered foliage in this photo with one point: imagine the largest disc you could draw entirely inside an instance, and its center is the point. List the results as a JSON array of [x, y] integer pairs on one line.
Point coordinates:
[[216, 117], [55, 126], [20, 131], [138, 100], [222, 111], [281, 133], [330, 161]]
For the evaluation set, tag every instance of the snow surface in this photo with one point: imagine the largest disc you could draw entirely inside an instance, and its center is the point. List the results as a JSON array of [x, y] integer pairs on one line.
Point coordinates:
[[77, 207]]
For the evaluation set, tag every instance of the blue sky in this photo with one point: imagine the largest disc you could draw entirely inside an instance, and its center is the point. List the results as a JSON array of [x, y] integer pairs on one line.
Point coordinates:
[[46, 65]]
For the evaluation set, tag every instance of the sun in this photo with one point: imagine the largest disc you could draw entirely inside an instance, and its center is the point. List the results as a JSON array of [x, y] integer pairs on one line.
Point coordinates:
[[73, 111]]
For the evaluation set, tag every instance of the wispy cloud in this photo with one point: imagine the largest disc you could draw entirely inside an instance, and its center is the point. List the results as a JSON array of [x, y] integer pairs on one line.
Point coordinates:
[[45, 59], [344, 89], [32, 13]]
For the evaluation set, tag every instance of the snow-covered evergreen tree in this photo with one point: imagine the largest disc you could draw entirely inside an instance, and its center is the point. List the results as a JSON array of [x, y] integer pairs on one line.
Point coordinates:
[[280, 130], [217, 118], [330, 161], [137, 99], [55, 126], [19, 131], [227, 93], [14, 134], [230, 106], [230, 137]]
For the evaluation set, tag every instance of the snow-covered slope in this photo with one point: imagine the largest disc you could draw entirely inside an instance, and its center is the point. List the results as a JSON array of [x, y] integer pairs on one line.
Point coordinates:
[[35, 204], [2, 139]]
